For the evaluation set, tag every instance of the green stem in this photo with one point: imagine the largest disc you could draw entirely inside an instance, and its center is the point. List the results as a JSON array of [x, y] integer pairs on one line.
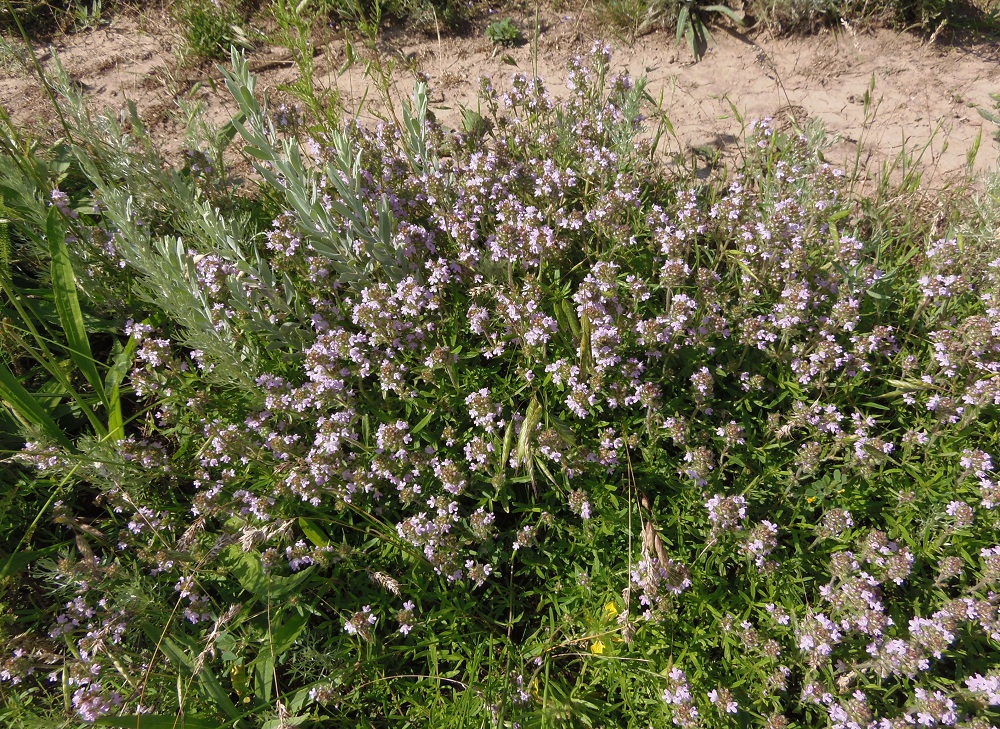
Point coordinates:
[[47, 360], [30, 532]]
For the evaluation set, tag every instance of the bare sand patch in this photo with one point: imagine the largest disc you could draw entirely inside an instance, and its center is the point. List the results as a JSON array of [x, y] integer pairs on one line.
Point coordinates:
[[924, 99]]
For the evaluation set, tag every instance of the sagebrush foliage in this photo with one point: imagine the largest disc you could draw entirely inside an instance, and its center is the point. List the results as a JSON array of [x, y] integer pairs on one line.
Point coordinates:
[[513, 426]]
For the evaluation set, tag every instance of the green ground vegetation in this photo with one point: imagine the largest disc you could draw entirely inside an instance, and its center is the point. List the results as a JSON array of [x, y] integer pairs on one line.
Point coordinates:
[[524, 423]]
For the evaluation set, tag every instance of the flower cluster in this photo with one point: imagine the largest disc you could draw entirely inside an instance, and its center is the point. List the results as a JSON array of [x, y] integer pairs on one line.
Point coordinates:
[[474, 371]]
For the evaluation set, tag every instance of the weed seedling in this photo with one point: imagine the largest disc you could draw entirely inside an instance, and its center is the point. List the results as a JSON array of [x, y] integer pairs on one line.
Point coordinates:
[[503, 33]]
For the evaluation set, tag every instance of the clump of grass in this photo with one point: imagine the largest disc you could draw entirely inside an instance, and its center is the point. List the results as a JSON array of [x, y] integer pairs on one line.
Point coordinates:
[[428, 15], [43, 19], [14, 59], [211, 27], [506, 425], [787, 16], [627, 15], [783, 16]]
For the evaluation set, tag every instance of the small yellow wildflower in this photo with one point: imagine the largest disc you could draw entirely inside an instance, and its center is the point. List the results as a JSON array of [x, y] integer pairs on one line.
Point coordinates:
[[597, 647], [611, 610]]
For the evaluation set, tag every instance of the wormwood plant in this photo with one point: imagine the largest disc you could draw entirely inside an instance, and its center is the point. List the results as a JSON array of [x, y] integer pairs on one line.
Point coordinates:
[[508, 427]]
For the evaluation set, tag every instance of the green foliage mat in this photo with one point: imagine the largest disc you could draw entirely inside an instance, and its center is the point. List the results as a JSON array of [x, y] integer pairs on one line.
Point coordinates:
[[501, 426]]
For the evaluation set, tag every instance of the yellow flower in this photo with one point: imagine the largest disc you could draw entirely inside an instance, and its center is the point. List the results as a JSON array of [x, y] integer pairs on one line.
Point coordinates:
[[597, 647], [611, 610]]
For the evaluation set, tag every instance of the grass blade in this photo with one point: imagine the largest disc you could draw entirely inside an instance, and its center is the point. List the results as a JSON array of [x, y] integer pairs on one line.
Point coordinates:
[[26, 407], [112, 385], [68, 305]]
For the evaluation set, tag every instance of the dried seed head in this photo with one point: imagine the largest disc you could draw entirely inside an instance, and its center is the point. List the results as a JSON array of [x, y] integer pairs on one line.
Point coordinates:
[[385, 582]]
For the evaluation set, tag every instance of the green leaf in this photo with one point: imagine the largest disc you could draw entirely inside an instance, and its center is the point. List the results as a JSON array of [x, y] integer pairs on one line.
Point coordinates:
[[423, 423], [5, 244], [727, 11], [564, 431], [569, 316], [26, 407], [172, 651], [212, 687], [229, 130], [249, 571], [186, 665], [540, 464], [989, 115], [508, 442], [19, 560], [261, 154], [313, 533], [68, 305], [112, 385], [287, 721], [692, 37], [263, 677], [682, 23], [586, 355], [283, 637]]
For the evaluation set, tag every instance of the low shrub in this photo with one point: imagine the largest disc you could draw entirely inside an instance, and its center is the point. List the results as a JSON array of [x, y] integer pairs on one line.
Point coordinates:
[[502, 427]]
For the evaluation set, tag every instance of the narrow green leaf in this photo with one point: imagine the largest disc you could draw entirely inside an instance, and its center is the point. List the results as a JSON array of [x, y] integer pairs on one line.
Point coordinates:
[[175, 653], [423, 423], [229, 130], [261, 154], [565, 432], [283, 637], [249, 102], [286, 722], [727, 11], [214, 689], [586, 355], [682, 23], [112, 385], [508, 442], [184, 663], [19, 560], [249, 571], [313, 533], [540, 464], [263, 677], [27, 407], [68, 305], [569, 314], [5, 245], [989, 115]]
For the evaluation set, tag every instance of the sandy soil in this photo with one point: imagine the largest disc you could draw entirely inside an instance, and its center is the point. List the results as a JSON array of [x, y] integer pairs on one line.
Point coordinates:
[[925, 94]]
